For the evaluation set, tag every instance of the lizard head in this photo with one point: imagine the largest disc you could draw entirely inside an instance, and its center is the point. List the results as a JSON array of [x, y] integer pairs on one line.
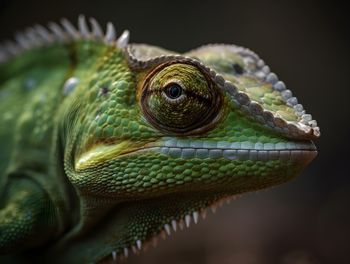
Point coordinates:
[[164, 136]]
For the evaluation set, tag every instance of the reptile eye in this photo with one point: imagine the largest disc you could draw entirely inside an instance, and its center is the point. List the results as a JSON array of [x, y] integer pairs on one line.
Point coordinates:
[[238, 68], [173, 91], [179, 98]]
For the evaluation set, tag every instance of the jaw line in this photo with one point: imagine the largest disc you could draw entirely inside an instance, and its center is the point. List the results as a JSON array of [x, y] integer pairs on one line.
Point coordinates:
[[299, 151], [169, 228], [302, 152], [192, 215], [178, 223]]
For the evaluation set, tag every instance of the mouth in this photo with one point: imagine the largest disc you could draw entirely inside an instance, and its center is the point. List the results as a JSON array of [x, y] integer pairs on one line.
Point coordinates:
[[299, 151]]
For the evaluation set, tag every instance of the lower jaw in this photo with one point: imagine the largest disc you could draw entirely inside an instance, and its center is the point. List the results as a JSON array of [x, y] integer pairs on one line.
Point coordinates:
[[172, 213], [134, 225], [296, 155]]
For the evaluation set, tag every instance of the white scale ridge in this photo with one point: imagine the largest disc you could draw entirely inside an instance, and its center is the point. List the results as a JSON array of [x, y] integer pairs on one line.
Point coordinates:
[[39, 36], [172, 225], [236, 150]]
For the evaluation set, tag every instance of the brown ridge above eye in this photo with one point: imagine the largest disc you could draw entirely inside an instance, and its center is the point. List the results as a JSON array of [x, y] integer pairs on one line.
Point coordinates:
[[179, 98]]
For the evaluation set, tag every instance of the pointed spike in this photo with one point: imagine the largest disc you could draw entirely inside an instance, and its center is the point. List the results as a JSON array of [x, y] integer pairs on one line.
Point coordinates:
[[110, 33], [139, 244], [213, 208], [114, 255], [32, 37], [96, 28], [126, 252], [83, 27], [123, 40], [27, 39], [57, 31], [3, 49], [154, 241], [195, 217], [11, 48], [163, 234], [22, 41], [228, 201], [204, 213], [133, 248], [69, 28], [174, 224], [167, 229], [43, 33], [3, 55], [187, 220], [181, 224], [146, 246]]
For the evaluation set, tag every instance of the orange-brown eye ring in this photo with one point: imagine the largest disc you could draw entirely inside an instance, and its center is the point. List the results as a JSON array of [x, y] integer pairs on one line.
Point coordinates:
[[179, 98]]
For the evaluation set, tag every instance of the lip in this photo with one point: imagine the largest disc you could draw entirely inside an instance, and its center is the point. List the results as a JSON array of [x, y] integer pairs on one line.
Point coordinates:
[[299, 151], [289, 151]]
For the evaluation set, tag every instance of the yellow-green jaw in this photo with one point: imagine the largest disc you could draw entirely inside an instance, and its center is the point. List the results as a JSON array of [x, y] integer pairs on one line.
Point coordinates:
[[101, 154], [176, 180]]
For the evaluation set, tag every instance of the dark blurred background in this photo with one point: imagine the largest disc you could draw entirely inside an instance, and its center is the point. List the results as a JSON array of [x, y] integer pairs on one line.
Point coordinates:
[[307, 45]]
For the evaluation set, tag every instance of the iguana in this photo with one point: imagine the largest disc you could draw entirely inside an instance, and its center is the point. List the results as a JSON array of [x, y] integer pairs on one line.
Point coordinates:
[[106, 145]]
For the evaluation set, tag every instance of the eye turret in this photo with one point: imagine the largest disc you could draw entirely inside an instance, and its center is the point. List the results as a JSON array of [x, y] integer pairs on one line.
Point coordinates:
[[179, 98]]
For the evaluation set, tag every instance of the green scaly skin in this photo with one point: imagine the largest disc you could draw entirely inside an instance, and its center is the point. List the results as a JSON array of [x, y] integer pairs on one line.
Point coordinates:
[[83, 173]]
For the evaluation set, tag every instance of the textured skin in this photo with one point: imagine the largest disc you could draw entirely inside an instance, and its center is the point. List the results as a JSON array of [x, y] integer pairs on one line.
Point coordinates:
[[80, 172]]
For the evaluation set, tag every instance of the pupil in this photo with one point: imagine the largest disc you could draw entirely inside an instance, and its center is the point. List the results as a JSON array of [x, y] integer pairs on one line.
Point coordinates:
[[174, 91]]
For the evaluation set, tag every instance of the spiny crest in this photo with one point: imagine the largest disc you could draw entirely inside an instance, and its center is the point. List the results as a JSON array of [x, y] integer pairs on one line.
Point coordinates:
[[145, 56], [168, 229], [38, 36], [142, 56]]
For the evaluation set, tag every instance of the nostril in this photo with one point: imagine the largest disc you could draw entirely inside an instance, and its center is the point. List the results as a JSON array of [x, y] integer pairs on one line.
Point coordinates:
[[104, 90]]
